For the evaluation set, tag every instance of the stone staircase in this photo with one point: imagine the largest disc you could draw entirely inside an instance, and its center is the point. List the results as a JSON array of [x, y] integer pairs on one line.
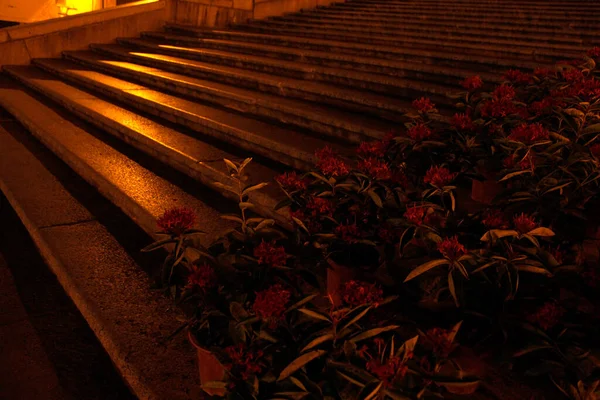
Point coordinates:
[[147, 121]]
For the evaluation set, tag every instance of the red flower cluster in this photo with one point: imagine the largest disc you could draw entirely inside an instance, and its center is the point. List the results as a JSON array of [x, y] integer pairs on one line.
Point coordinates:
[[419, 132], [451, 248], [244, 363], [423, 105], [498, 108], [177, 221], [393, 369], [524, 223], [545, 105], [438, 340], [319, 206], [415, 215], [494, 219], [270, 304], [472, 83], [349, 233], [529, 133], [439, 176], [504, 92], [329, 163], [547, 316], [462, 122], [517, 76], [357, 293], [202, 277], [572, 75], [594, 52], [270, 254], [375, 168], [292, 181], [543, 72]]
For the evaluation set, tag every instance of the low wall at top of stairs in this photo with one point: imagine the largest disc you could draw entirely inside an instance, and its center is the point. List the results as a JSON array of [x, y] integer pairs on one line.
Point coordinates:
[[21, 44]]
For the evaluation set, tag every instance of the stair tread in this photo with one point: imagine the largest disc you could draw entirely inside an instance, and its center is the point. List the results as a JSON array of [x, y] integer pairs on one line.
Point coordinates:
[[303, 67], [141, 194], [270, 137], [370, 126], [323, 89], [294, 36], [112, 292], [458, 73]]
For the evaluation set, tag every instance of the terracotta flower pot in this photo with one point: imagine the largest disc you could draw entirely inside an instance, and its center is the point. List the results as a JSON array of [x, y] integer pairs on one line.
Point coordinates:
[[337, 276], [485, 191], [210, 368]]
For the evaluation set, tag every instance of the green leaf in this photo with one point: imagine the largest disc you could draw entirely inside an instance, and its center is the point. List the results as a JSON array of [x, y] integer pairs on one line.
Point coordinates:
[[317, 341], [460, 387], [230, 165], [376, 198], [534, 270], [297, 382], [245, 164], [265, 335], [454, 331], [214, 385], [497, 234], [158, 245], [250, 189], [373, 332], [314, 314], [232, 218], [425, 267], [299, 363], [452, 288], [301, 302], [245, 205], [370, 390], [408, 347], [531, 349], [513, 174], [594, 128], [351, 380], [265, 223], [238, 312], [356, 319], [544, 232]]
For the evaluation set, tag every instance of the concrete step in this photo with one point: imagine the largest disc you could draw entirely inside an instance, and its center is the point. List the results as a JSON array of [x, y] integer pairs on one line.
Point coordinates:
[[321, 93], [503, 53], [432, 31], [463, 15], [271, 142], [112, 292], [527, 5], [387, 84], [322, 119], [410, 70], [491, 22]]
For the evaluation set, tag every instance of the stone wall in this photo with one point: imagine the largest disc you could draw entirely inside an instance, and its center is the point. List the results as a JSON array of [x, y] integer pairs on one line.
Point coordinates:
[[19, 44]]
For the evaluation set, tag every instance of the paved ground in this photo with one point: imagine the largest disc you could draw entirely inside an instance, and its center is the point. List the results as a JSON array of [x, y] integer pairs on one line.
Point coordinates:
[[47, 351]]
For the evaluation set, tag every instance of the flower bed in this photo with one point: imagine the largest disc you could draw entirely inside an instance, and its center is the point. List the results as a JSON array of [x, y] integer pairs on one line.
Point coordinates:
[[449, 238]]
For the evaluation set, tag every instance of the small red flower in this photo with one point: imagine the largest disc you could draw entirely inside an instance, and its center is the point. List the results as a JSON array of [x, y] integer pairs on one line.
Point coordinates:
[[595, 150], [423, 105], [419, 132], [415, 215], [547, 316], [451, 248], [319, 206], [392, 370], [349, 233], [438, 340], [292, 181], [543, 72], [524, 223], [544, 106], [439, 176], [494, 219], [329, 163], [517, 76], [177, 221], [375, 168], [573, 75], [594, 52], [357, 293], [529, 133], [270, 304], [243, 362], [504, 92], [462, 122], [202, 277], [498, 108], [270, 254], [472, 83]]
